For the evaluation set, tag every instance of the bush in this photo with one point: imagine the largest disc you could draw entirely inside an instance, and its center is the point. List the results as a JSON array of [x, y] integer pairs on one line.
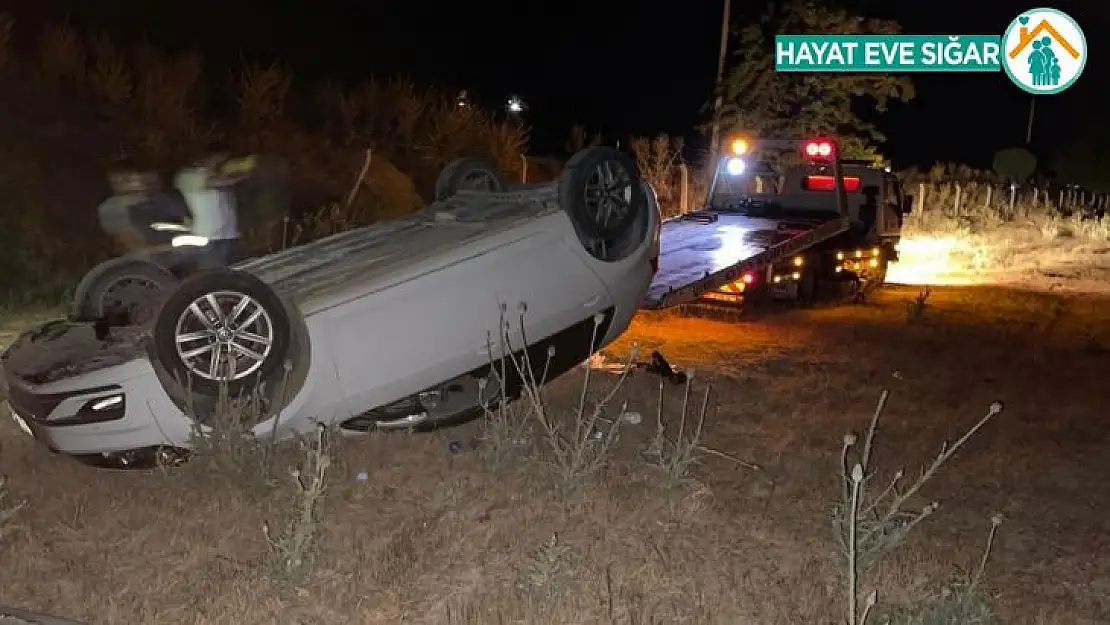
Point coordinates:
[[77, 101]]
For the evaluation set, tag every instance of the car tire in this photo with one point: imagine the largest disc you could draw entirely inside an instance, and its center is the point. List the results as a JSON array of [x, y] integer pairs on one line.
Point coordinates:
[[601, 169], [469, 174], [260, 333], [591, 176], [122, 288]]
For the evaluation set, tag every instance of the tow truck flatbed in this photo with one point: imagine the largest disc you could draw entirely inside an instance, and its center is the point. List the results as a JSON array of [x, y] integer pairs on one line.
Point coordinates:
[[780, 224], [705, 250]]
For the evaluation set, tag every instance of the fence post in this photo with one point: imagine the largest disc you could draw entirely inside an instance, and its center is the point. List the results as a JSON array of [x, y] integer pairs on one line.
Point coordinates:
[[683, 188], [1013, 200], [1060, 204], [921, 197], [990, 189], [957, 204], [523, 169]]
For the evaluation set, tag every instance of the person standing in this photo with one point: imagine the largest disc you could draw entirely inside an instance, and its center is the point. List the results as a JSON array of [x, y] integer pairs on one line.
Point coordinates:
[[138, 201], [115, 213], [207, 190]]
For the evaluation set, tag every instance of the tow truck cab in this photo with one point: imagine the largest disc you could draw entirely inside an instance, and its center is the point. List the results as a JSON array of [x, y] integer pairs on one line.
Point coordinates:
[[874, 202]]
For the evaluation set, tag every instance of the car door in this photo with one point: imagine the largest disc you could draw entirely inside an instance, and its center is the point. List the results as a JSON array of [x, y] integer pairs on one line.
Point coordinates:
[[430, 329], [544, 280]]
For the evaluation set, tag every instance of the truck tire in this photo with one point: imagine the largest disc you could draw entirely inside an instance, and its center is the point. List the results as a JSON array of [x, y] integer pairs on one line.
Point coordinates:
[[469, 174], [808, 286], [222, 328], [880, 273], [122, 288]]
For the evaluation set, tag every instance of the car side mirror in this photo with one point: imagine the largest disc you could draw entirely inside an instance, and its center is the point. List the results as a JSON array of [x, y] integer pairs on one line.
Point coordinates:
[[907, 204]]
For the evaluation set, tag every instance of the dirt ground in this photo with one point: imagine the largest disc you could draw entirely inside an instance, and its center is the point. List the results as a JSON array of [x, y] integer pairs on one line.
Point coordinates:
[[436, 534]]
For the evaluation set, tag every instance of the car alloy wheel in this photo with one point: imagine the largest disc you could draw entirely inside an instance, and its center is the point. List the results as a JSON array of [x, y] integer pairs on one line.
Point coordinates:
[[224, 336]]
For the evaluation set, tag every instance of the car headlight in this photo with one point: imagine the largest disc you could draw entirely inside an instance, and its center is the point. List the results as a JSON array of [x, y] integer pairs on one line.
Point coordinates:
[[189, 240]]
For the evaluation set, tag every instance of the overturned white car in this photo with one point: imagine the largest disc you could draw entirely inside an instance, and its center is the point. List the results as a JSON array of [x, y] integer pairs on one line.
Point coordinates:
[[385, 326]]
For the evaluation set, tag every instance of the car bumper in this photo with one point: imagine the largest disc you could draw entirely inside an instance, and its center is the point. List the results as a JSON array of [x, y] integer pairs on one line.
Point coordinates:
[[119, 408]]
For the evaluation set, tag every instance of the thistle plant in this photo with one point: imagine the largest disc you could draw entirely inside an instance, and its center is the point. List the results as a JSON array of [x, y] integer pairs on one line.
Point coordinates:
[[869, 527]]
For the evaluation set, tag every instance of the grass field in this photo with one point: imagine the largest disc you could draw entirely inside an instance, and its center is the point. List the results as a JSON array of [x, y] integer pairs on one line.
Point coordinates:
[[438, 534]]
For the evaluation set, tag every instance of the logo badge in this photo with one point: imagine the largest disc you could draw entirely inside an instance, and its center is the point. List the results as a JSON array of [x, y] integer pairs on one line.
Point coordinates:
[[1044, 51]]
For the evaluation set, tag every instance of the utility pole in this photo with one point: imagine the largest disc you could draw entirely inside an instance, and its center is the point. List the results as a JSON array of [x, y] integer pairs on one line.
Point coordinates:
[[719, 101], [1029, 127]]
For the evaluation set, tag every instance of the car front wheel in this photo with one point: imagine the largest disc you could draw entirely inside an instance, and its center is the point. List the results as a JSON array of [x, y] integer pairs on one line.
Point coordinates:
[[223, 329]]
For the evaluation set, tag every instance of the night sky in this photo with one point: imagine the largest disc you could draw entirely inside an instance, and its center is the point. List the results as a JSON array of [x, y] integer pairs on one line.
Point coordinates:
[[620, 66]]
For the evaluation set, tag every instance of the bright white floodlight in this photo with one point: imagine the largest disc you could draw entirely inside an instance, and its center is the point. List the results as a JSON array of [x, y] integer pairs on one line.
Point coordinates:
[[735, 166]]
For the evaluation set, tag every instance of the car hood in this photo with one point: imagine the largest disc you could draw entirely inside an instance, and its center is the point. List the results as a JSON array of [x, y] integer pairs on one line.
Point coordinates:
[[63, 348]]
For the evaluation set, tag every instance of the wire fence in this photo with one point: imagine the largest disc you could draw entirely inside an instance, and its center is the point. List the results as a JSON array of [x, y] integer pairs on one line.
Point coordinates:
[[967, 199], [682, 188]]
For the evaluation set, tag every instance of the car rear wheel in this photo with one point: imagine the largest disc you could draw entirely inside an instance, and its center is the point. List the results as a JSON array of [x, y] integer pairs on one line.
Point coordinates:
[[469, 174], [605, 197], [223, 328], [122, 288]]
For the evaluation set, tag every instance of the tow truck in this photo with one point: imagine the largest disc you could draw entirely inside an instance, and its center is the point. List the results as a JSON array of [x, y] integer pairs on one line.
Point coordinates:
[[768, 235]]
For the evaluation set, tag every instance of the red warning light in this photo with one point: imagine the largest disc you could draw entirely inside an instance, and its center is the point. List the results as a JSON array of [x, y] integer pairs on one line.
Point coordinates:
[[828, 183], [819, 149]]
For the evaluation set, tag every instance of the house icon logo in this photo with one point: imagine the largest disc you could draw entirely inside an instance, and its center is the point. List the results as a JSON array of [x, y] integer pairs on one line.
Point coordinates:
[[1044, 51]]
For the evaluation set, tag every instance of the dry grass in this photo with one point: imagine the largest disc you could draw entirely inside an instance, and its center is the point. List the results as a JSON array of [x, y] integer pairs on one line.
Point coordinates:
[[988, 243], [433, 535], [8, 509]]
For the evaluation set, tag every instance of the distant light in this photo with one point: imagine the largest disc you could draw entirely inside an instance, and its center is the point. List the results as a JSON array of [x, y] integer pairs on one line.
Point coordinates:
[[739, 147], [735, 166], [463, 99], [515, 105]]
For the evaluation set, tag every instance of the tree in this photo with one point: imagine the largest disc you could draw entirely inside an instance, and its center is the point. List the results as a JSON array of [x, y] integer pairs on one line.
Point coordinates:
[[1082, 160], [763, 102], [580, 139], [1014, 164]]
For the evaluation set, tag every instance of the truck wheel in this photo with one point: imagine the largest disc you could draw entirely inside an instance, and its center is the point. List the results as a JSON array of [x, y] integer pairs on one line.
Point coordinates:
[[601, 190], [122, 288], [223, 328], [880, 273], [469, 174], [810, 280]]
